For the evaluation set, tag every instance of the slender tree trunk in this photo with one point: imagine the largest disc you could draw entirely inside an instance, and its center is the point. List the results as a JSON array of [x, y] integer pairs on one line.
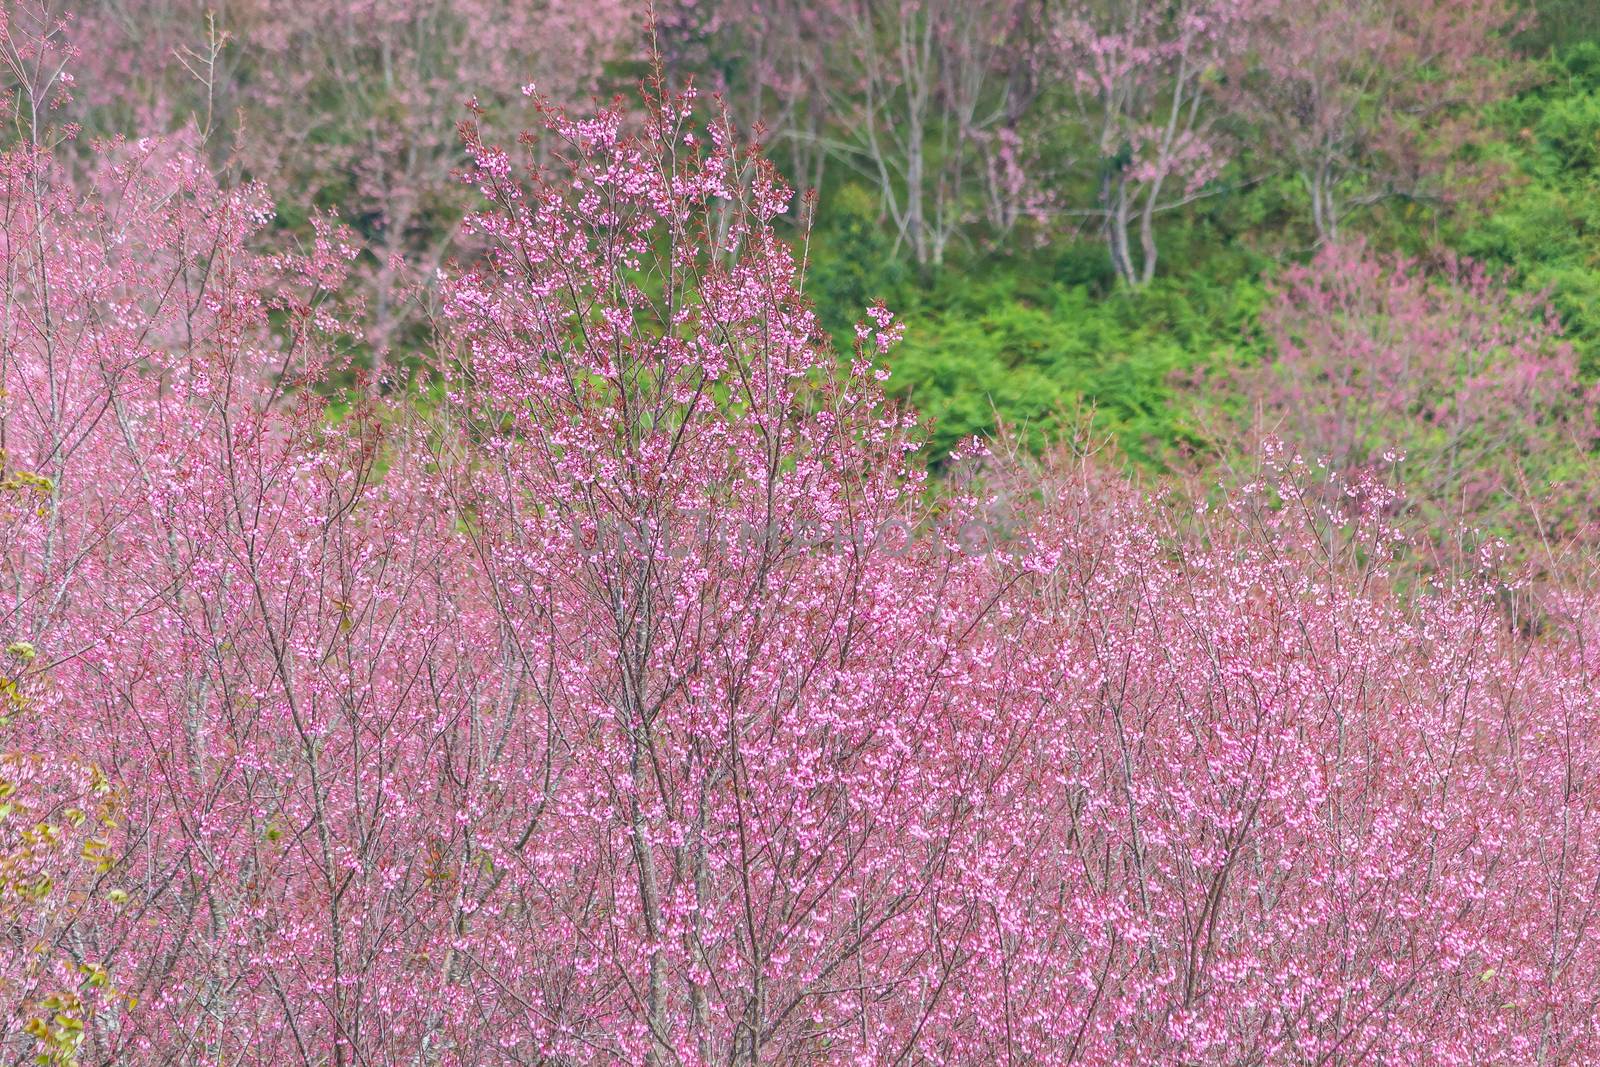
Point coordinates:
[[1147, 238], [1117, 236]]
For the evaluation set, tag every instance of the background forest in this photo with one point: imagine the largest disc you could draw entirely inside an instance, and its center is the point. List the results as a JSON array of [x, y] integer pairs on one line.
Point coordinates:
[[801, 531], [1360, 227], [1363, 227]]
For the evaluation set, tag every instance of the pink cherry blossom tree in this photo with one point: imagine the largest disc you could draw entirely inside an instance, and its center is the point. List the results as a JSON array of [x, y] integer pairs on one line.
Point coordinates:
[[928, 102], [676, 472], [1145, 79], [1469, 382], [202, 600], [1369, 101], [1294, 824], [355, 106]]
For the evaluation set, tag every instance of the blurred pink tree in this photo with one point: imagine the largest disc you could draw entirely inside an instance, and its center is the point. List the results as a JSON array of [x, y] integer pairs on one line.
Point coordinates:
[[351, 106], [1374, 358], [1372, 99], [1145, 80], [928, 102]]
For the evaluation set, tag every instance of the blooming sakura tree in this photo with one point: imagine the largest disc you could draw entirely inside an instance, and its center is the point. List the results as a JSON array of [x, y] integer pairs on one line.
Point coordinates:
[[1472, 384], [353, 106], [1145, 78], [188, 595], [745, 836], [58, 821], [926, 100], [1285, 808], [1372, 100]]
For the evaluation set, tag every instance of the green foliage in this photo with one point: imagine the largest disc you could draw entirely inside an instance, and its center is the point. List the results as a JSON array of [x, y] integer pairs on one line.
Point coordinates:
[[852, 263], [1029, 340], [1031, 351], [1546, 226]]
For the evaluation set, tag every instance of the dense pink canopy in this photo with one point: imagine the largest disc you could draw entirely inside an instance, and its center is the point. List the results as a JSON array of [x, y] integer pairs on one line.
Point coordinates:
[[625, 692]]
